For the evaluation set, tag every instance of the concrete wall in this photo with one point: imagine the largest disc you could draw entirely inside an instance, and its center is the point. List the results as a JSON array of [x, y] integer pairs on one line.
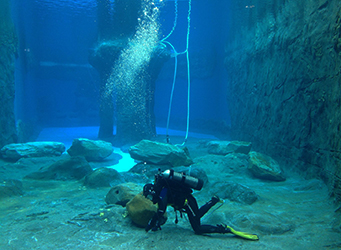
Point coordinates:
[[283, 64]]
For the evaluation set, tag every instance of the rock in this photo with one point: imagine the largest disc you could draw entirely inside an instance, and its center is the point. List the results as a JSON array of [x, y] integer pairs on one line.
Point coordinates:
[[123, 193], [65, 169], [24, 166], [91, 150], [141, 210], [227, 147], [38, 161], [234, 192], [103, 177], [160, 153], [9, 188], [264, 167], [15, 151]]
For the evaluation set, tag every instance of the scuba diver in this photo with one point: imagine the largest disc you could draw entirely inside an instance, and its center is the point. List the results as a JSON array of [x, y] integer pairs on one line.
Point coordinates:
[[175, 189]]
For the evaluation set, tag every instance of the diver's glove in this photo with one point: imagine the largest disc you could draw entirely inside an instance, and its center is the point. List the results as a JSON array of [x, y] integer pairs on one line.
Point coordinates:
[[156, 222], [154, 225], [157, 226], [151, 224]]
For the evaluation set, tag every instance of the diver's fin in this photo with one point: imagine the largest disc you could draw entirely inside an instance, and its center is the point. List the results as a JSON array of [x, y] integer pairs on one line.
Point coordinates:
[[242, 234]]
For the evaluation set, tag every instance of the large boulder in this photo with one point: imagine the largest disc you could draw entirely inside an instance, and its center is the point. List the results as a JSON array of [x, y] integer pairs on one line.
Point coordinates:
[[90, 149], [160, 153], [65, 169], [122, 193], [103, 177], [264, 167], [141, 210], [227, 147], [15, 151]]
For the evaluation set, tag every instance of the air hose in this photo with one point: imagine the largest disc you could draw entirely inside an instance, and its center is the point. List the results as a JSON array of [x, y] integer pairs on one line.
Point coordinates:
[[175, 69]]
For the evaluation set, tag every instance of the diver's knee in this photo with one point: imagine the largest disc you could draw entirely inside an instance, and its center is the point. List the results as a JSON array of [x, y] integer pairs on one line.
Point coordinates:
[[198, 231]]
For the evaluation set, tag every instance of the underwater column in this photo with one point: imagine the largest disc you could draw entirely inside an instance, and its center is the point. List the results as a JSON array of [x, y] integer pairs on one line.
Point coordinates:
[[128, 58], [133, 78], [115, 28]]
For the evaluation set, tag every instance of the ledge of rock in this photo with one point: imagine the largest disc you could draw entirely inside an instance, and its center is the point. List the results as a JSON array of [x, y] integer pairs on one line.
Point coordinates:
[[264, 167], [65, 169], [160, 153], [90, 149], [15, 151], [227, 147]]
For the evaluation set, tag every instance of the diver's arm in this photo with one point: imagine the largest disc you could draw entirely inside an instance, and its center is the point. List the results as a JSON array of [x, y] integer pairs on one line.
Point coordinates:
[[158, 219]]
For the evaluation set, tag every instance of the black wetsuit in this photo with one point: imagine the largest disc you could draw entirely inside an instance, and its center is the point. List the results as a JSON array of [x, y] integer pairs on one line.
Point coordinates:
[[170, 192]]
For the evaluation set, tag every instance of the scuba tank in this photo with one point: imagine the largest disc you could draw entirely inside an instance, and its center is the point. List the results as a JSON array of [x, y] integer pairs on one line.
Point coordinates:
[[189, 181]]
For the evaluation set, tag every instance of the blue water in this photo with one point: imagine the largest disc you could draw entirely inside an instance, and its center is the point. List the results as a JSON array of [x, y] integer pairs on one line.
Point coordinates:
[[60, 88], [58, 98]]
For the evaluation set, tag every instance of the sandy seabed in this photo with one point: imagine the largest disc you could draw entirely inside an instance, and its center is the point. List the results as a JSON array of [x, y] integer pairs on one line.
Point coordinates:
[[67, 215]]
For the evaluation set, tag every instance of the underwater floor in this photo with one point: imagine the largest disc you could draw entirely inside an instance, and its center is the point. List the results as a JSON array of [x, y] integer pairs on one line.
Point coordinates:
[[294, 214]]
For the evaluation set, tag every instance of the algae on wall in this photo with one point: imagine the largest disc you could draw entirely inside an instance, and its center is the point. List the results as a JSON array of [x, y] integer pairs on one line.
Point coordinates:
[[8, 46], [284, 86]]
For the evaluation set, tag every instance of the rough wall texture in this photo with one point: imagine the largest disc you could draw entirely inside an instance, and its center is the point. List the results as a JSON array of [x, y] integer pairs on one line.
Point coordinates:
[[8, 44], [285, 83]]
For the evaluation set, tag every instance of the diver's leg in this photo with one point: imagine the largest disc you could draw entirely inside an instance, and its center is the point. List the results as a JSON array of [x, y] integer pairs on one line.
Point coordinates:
[[192, 210], [194, 215], [204, 209], [209, 229], [195, 223]]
